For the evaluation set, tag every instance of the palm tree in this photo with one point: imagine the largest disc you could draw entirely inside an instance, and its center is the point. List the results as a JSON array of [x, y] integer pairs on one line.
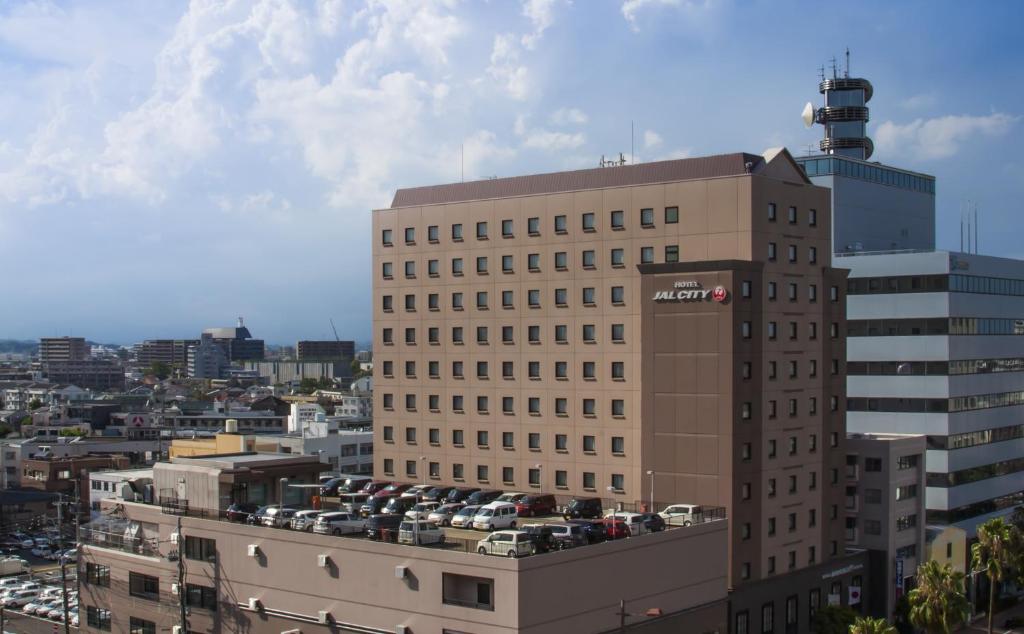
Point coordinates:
[[992, 555], [938, 604], [868, 625]]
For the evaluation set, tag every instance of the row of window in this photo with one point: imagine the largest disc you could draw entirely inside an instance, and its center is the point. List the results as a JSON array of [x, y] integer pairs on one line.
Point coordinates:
[[962, 513], [588, 369], [617, 481], [867, 172], [508, 440], [976, 438], [791, 521], [935, 284], [875, 465], [588, 223], [934, 368], [974, 474], [936, 405], [588, 334], [934, 326], [588, 406]]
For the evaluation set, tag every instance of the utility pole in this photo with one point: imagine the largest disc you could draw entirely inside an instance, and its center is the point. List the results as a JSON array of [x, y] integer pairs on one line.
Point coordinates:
[[181, 578], [622, 615], [63, 561]]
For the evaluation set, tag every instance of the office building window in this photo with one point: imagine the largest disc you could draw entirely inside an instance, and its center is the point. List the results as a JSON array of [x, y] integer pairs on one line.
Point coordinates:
[[98, 618], [588, 221], [791, 252], [506, 229], [771, 252], [562, 479], [457, 471], [589, 259], [618, 295], [97, 574], [646, 255], [432, 234], [671, 215], [647, 217], [772, 212], [791, 216], [533, 262], [672, 253], [200, 549], [457, 232], [560, 224], [746, 289], [618, 445], [533, 226], [143, 586], [772, 291], [506, 264], [618, 257], [561, 260], [618, 370], [200, 597], [481, 231], [768, 612], [533, 298], [385, 237], [533, 440], [458, 437], [482, 473]]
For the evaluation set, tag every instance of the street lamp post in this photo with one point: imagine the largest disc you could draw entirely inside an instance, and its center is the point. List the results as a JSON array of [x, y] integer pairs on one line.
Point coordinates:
[[540, 475], [615, 510], [280, 499], [415, 512], [651, 473]]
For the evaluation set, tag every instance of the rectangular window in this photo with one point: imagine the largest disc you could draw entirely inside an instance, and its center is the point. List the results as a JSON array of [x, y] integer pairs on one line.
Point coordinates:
[[562, 479], [589, 259], [410, 235], [671, 215], [812, 217], [481, 265], [618, 332], [457, 232], [385, 237], [618, 257], [533, 226], [672, 253], [200, 549], [647, 217], [618, 295], [560, 224], [588, 221], [768, 618], [618, 219], [506, 229], [432, 235], [506, 264], [533, 440], [618, 445], [143, 586], [201, 597], [646, 255], [561, 260], [481, 231], [792, 215], [746, 289], [98, 618], [618, 370], [457, 471], [97, 574], [533, 262], [482, 473], [771, 252], [772, 212]]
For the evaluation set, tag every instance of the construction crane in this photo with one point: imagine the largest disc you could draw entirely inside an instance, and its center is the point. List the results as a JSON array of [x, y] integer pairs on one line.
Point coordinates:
[[336, 338]]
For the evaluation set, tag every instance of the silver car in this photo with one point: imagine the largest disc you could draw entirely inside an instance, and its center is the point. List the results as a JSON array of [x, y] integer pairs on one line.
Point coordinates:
[[442, 515], [303, 520]]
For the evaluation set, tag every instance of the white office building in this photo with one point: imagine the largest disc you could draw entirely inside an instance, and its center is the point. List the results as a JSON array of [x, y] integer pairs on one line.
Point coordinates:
[[936, 347]]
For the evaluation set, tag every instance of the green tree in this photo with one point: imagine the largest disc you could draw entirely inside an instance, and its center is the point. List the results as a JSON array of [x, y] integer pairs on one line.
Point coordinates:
[[308, 386], [72, 431], [868, 625], [833, 619], [160, 370], [994, 554], [34, 404], [5, 430], [938, 604]]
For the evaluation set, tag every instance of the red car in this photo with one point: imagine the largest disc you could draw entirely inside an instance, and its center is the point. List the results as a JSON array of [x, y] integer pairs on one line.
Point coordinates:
[[534, 505], [395, 488], [372, 487], [616, 529]]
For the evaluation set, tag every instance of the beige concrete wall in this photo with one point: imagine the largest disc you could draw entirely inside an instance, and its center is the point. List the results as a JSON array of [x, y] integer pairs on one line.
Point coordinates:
[[557, 592]]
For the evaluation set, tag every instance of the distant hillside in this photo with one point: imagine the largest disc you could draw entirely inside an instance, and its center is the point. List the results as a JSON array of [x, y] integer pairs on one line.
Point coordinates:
[[18, 347]]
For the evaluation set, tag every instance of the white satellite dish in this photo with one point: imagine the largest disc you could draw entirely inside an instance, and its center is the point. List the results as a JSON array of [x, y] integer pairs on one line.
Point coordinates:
[[808, 115]]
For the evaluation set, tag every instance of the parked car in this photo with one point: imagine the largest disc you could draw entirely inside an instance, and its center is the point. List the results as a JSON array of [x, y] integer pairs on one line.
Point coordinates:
[[436, 494], [28, 543], [42, 550], [653, 522], [425, 533], [460, 494], [303, 520], [415, 491], [256, 518], [383, 527], [352, 501], [24, 585], [506, 544], [442, 515], [463, 518], [277, 517], [9, 583], [398, 505], [353, 483], [616, 529], [18, 598], [586, 508], [395, 488], [494, 516], [535, 505], [483, 497], [240, 512], [373, 506], [568, 535], [421, 511], [542, 538], [330, 488], [13, 566], [511, 496], [682, 514], [338, 523], [635, 521], [593, 529], [373, 486]]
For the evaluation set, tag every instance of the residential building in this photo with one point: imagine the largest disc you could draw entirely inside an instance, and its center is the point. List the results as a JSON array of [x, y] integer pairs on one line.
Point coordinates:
[[335, 350], [68, 475], [19, 508], [578, 331], [63, 349], [90, 374], [948, 545], [208, 360], [885, 484], [302, 414], [259, 421], [172, 352], [278, 372], [135, 485]]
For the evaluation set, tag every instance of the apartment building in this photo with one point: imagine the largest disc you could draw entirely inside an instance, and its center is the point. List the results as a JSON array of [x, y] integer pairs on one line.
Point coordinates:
[[63, 349], [885, 483], [325, 350], [669, 330], [935, 348], [90, 374], [173, 352]]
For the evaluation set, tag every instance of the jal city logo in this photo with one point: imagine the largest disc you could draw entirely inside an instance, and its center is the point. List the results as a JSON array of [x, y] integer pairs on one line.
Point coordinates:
[[691, 291]]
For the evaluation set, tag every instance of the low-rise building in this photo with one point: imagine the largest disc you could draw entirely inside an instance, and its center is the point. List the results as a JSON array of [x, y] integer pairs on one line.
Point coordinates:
[[947, 545], [67, 475], [126, 484], [90, 374], [278, 372]]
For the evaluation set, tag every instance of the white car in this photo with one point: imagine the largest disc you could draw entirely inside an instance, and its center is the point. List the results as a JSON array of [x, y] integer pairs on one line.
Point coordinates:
[[19, 598], [495, 515], [277, 517], [338, 523], [42, 551], [24, 585], [683, 514], [506, 544], [304, 520], [463, 518], [28, 543], [9, 583], [512, 496], [426, 533], [421, 511], [418, 489], [442, 515], [635, 521]]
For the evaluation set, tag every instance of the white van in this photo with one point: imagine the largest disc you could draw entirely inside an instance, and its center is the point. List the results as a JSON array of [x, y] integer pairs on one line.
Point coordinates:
[[495, 515], [425, 533], [635, 521], [683, 514]]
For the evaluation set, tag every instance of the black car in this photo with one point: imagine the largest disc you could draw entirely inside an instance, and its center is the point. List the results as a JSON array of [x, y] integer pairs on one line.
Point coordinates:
[[586, 508], [374, 505], [653, 522], [240, 512], [256, 517], [541, 538], [384, 527], [436, 494], [482, 497], [459, 494], [398, 505], [330, 488], [595, 531]]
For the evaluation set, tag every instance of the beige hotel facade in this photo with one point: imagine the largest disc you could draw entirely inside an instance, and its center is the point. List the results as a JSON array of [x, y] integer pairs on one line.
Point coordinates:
[[563, 333]]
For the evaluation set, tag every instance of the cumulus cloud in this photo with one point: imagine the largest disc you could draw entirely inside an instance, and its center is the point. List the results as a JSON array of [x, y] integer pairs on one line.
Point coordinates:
[[651, 139], [550, 140], [541, 15], [566, 116], [939, 137], [919, 102], [506, 69]]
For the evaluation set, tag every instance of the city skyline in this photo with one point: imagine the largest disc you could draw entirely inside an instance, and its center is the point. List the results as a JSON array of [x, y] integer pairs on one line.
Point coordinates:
[[291, 123]]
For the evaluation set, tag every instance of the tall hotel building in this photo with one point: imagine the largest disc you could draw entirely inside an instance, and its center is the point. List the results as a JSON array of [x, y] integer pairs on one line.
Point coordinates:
[[670, 329]]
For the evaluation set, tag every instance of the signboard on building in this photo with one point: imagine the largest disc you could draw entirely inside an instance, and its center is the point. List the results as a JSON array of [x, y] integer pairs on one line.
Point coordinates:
[[691, 291]]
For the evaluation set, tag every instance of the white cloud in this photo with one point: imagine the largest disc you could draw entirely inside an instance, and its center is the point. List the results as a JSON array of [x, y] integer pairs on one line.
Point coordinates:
[[630, 9], [548, 140], [919, 102], [541, 15], [568, 116], [651, 139], [939, 137], [505, 68]]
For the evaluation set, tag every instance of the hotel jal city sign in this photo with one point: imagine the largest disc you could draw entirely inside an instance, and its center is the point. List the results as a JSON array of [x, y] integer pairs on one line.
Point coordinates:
[[691, 291]]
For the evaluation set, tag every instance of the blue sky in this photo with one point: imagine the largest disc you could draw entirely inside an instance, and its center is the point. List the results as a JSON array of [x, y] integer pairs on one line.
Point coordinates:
[[168, 166]]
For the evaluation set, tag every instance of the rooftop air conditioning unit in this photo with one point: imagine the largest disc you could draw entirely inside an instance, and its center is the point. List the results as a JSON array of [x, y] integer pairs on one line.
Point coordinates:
[[254, 604], [176, 629], [254, 550], [321, 561], [174, 589], [401, 629], [323, 617], [401, 572], [175, 538]]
